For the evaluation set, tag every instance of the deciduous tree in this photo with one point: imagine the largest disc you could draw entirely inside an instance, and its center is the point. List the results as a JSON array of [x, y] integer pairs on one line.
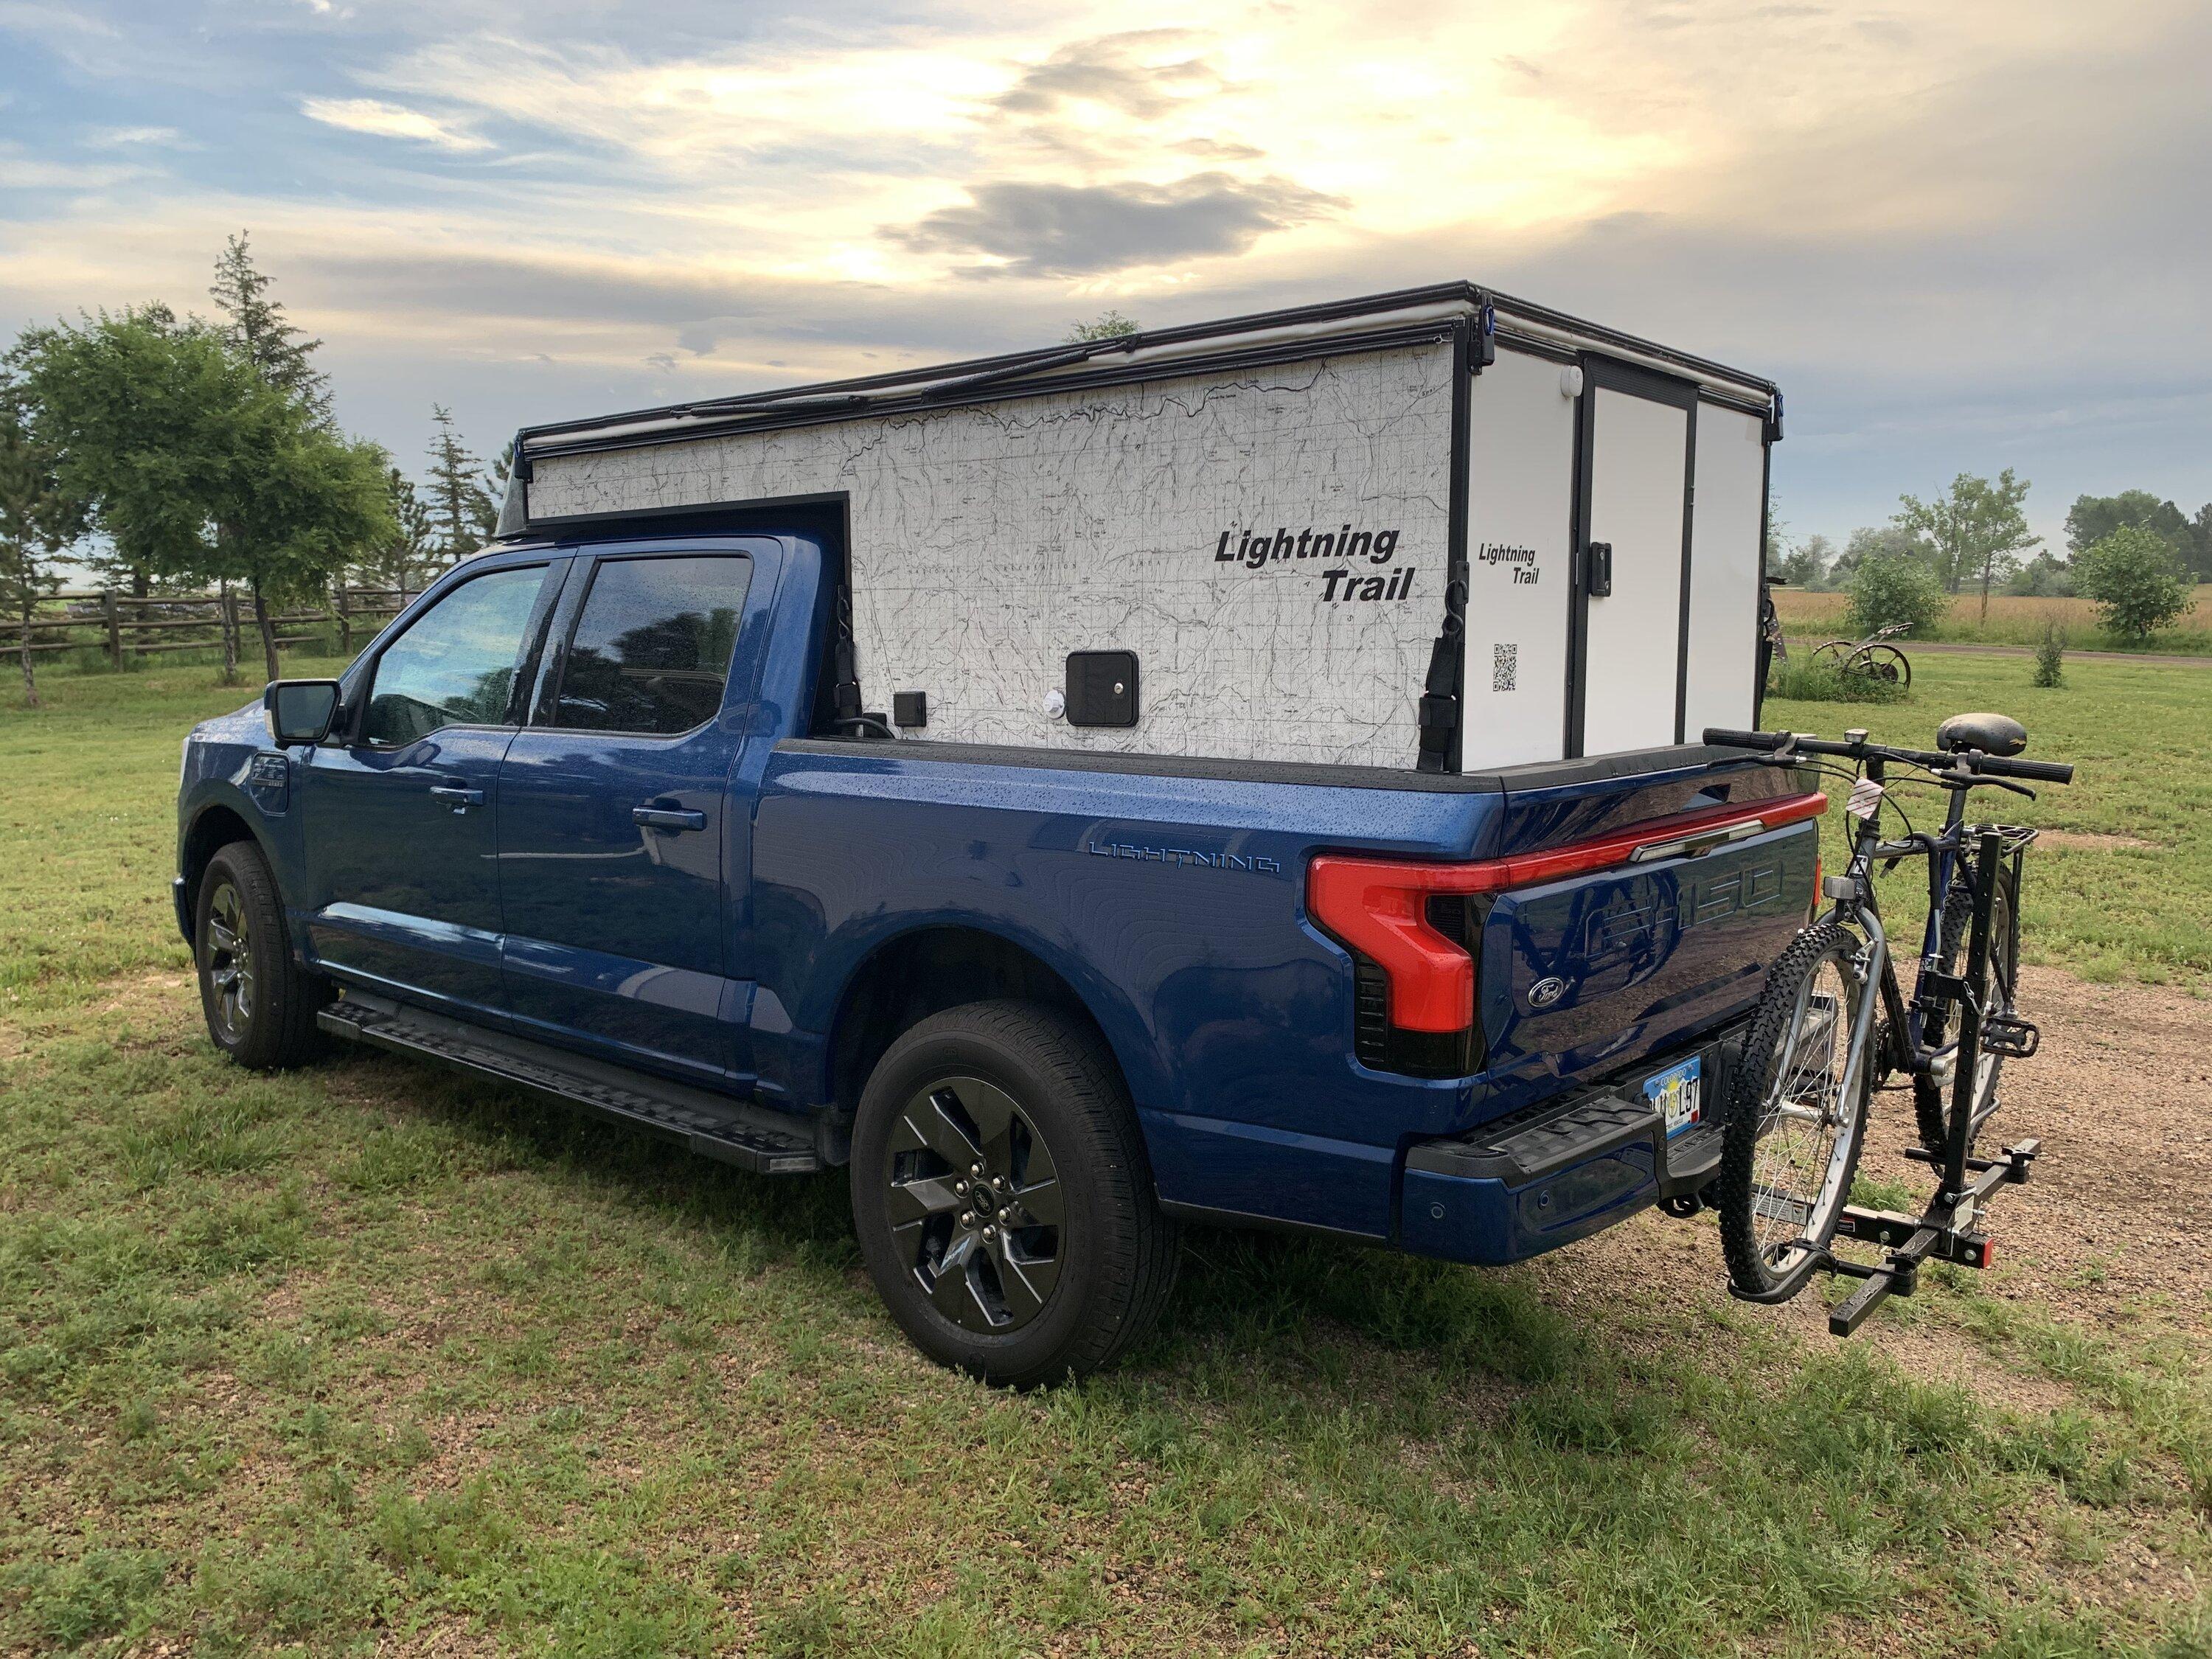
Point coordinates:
[[2135, 580], [38, 517], [2093, 517], [187, 457], [1975, 531]]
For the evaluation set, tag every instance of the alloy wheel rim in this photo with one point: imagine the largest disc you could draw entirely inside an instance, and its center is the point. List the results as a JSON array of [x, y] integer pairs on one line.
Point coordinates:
[[229, 962], [976, 1205]]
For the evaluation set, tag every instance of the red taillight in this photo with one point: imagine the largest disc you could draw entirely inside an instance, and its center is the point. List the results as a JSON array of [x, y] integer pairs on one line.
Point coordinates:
[[1379, 907]]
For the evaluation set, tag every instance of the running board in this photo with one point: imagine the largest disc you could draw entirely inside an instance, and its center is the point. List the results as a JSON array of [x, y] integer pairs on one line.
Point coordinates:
[[753, 1138]]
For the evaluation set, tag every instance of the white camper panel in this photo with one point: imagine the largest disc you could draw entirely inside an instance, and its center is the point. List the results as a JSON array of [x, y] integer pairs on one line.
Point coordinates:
[[1726, 532], [1521, 510], [1271, 543]]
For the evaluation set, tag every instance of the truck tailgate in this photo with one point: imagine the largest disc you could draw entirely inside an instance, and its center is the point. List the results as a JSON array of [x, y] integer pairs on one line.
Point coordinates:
[[1596, 969]]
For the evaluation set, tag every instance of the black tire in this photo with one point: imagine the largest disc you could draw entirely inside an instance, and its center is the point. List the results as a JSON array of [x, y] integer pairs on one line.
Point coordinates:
[[1032, 1097], [259, 1003], [1931, 1102], [1766, 1204]]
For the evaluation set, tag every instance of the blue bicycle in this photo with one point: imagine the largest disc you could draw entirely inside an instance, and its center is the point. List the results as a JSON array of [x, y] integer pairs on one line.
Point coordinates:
[[1832, 1024]]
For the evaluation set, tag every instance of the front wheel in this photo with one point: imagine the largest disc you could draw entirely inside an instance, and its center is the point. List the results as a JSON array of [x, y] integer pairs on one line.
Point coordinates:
[[1002, 1197], [1796, 1117], [260, 1004]]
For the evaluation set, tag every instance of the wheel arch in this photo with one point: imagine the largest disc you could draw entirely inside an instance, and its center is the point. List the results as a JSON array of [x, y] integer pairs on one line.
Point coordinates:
[[928, 968], [218, 823]]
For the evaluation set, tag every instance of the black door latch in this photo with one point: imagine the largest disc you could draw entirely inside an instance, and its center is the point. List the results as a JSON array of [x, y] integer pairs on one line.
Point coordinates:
[[1597, 577]]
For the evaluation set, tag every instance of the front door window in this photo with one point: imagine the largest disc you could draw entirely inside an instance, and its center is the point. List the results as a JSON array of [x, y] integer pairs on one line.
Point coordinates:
[[455, 666]]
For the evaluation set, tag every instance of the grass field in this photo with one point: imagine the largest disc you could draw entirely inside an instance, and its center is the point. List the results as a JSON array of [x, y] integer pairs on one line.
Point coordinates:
[[2011, 621], [364, 1358]]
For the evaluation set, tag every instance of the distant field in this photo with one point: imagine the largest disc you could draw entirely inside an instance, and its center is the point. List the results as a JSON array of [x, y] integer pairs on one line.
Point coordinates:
[[2011, 621]]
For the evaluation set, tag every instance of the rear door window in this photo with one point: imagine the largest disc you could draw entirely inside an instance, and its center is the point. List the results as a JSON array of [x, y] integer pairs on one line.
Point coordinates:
[[652, 642]]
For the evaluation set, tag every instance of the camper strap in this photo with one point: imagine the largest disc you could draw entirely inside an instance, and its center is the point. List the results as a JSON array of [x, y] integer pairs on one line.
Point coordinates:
[[1440, 704]]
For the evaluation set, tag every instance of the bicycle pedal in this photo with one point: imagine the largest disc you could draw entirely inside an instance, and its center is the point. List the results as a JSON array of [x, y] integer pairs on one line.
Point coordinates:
[[2010, 1036]]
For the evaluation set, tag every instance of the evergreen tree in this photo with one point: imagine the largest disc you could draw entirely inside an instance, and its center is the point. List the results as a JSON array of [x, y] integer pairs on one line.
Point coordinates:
[[38, 518], [456, 490], [258, 330], [491, 495], [399, 560]]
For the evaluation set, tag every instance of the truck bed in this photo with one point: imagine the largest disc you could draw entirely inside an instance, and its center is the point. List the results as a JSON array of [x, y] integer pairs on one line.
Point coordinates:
[[1170, 895]]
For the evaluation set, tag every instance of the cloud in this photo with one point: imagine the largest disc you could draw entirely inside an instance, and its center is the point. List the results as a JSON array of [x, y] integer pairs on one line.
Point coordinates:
[[1117, 70], [132, 137], [374, 116], [19, 171], [1049, 229]]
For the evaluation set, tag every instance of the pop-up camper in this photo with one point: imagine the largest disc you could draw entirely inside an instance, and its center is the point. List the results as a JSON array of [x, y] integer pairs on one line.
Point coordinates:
[[1438, 528]]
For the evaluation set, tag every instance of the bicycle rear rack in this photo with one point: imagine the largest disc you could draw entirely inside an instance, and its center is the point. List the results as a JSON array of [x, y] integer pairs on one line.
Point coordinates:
[[1947, 1231]]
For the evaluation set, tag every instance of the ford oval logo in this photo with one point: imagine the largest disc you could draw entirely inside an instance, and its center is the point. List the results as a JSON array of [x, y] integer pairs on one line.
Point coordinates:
[[1546, 992]]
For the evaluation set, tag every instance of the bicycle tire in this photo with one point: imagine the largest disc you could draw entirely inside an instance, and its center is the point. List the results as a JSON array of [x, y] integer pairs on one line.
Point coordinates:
[[1773, 1235], [1930, 1103]]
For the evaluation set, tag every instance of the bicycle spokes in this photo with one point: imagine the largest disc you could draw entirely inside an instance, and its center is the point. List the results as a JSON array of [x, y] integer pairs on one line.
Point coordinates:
[[1805, 1119]]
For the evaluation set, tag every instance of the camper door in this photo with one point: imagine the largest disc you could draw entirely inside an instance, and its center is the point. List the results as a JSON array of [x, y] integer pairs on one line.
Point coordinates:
[[1631, 604]]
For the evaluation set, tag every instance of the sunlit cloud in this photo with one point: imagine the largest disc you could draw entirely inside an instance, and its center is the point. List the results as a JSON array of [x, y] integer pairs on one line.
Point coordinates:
[[373, 115]]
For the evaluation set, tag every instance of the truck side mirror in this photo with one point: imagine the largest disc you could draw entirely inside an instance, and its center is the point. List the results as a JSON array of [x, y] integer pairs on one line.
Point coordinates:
[[300, 711]]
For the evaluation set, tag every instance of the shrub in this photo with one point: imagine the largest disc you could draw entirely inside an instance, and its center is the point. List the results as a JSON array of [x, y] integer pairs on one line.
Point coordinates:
[[2131, 576], [1892, 589], [2050, 656], [1804, 680]]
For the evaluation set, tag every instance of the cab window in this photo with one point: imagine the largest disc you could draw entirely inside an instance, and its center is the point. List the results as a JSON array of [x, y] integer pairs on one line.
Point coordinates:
[[456, 664], [652, 647]]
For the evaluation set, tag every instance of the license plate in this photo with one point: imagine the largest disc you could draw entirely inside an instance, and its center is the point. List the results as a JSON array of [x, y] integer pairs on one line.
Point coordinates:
[[1677, 1093]]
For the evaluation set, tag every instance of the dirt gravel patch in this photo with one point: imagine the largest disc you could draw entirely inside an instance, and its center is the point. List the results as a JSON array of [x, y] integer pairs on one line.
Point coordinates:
[[2110, 1227], [2093, 841]]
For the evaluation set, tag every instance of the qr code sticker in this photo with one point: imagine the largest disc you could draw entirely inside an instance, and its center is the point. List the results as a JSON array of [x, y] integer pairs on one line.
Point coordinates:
[[1504, 660]]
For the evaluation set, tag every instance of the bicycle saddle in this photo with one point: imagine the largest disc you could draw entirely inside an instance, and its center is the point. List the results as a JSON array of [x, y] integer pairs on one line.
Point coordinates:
[[1993, 734]]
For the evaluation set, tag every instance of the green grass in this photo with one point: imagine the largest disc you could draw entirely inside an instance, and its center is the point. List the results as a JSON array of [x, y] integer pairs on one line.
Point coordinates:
[[2140, 736], [367, 1358]]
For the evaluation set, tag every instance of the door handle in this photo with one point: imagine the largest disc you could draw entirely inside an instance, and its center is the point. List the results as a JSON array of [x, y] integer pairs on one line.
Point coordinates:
[[462, 797], [668, 817], [1599, 578]]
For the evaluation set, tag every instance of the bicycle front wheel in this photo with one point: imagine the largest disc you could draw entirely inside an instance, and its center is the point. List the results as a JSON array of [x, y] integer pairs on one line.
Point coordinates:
[[1796, 1117]]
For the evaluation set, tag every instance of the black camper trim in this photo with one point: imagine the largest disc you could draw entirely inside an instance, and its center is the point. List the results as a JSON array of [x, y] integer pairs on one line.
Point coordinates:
[[989, 368]]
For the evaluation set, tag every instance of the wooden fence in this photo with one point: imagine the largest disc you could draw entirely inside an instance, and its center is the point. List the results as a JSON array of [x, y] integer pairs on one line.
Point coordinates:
[[123, 625]]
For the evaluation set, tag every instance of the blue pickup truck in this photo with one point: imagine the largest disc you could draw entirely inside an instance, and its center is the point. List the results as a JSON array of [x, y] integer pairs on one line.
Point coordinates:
[[575, 820]]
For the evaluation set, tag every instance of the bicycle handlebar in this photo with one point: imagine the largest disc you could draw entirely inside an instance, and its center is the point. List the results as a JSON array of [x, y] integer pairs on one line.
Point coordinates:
[[1966, 760]]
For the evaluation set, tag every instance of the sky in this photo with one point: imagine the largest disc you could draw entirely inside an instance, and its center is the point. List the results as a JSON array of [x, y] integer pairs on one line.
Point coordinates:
[[1962, 235]]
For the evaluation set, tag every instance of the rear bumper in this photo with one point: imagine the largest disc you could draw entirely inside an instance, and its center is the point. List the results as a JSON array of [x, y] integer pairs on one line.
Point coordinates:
[[182, 897], [1569, 1167]]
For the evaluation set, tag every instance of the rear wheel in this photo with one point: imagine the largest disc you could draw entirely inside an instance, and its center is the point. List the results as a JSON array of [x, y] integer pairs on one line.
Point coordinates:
[[1795, 1129], [1002, 1198], [259, 1003], [1930, 1100]]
